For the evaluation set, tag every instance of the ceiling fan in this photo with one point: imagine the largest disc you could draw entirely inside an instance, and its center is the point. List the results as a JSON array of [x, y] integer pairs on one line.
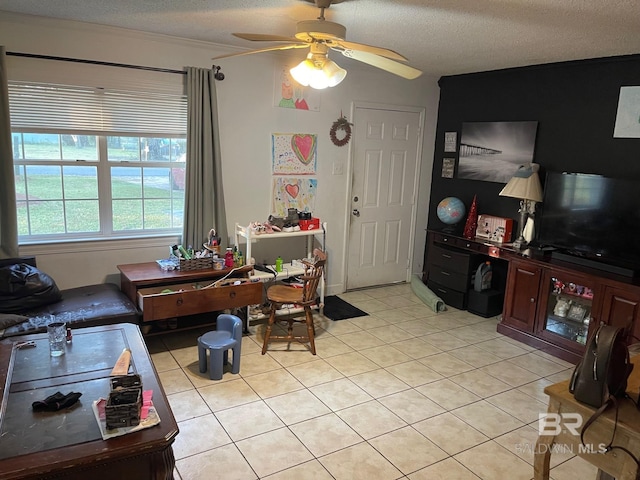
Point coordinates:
[[321, 35]]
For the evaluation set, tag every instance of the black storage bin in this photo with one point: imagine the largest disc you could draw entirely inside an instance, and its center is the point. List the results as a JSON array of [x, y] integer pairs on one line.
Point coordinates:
[[487, 303]]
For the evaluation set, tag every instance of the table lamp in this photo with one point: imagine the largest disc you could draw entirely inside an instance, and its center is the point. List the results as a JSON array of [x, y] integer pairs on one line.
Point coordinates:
[[525, 185]]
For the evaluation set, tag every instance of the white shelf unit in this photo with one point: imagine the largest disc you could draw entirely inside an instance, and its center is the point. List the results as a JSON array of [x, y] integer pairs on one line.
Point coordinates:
[[288, 270]]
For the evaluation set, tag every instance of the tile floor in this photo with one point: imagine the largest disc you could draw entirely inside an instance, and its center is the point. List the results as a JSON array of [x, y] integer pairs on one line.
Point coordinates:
[[402, 393]]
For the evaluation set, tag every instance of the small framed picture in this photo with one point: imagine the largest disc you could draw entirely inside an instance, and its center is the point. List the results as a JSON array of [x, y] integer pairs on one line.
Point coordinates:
[[577, 312], [448, 167], [450, 141]]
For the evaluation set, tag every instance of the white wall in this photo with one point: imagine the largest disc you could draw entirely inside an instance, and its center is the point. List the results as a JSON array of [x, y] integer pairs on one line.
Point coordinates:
[[247, 120]]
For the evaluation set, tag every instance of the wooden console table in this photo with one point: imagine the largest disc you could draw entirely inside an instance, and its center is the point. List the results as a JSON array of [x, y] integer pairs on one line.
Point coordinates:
[[614, 464], [67, 444], [535, 282], [144, 283]]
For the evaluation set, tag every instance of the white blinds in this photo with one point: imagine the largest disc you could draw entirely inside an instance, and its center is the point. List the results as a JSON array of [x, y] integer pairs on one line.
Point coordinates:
[[45, 107]]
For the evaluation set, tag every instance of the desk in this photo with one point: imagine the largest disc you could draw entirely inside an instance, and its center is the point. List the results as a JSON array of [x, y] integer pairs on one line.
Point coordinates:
[[615, 464], [535, 281], [143, 283], [68, 444]]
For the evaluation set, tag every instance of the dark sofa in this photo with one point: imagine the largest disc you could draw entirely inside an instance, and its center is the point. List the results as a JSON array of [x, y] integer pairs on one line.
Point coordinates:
[[92, 305]]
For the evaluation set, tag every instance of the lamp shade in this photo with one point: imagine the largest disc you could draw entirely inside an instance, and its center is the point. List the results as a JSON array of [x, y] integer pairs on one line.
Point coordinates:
[[318, 72], [525, 184], [302, 72], [334, 73]]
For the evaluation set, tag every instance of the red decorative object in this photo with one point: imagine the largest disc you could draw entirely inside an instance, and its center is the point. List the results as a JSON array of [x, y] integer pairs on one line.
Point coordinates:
[[472, 221]]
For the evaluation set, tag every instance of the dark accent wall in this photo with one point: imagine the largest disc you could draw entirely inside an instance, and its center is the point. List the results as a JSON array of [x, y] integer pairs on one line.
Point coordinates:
[[575, 105]]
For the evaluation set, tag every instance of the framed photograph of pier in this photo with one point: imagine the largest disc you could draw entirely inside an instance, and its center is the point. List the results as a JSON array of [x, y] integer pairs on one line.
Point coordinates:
[[493, 151]]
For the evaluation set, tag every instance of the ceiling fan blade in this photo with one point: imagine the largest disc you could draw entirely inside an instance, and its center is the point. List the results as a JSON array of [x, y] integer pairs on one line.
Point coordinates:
[[391, 66], [262, 37], [384, 52], [260, 50]]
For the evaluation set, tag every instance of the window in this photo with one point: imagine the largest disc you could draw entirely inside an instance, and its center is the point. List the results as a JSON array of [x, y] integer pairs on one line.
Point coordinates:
[[71, 185], [92, 163]]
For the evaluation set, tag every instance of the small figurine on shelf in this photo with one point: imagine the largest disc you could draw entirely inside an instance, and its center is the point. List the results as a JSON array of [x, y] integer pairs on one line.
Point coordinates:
[[562, 307], [587, 293], [558, 285]]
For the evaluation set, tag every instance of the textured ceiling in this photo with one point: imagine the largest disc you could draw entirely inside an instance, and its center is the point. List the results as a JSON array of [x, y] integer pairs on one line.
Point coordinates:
[[441, 37]]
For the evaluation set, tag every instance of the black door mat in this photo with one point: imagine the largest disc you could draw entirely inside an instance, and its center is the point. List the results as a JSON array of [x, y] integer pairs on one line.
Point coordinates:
[[336, 308]]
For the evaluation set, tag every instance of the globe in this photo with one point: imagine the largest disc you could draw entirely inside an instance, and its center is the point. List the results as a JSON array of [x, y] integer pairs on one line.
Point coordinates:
[[451, 210]]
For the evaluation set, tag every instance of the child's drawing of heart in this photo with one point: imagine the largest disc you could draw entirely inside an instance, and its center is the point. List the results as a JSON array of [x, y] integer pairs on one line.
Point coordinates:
[[304, 146], [292, 190]]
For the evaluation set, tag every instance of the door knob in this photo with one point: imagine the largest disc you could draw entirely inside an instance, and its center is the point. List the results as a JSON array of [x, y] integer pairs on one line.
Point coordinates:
[[356, 212]]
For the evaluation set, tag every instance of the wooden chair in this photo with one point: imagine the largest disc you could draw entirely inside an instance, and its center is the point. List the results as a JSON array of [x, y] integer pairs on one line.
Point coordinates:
[[302, 297]]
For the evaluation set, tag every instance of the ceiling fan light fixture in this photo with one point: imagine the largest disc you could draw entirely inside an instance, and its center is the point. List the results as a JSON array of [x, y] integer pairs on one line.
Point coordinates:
[[301, 73], [334, 73], [318, 72]]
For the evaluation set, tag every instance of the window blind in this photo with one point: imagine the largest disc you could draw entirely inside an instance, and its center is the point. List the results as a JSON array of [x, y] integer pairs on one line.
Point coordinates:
[[42, 107]]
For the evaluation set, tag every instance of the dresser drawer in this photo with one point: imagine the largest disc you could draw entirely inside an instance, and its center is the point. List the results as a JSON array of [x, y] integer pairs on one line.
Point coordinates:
[[192, 298], [453, 260], [448, 278], [450, 296]]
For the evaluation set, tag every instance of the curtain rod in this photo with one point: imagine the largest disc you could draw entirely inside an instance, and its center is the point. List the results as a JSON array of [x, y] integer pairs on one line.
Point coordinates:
[[217, 75]]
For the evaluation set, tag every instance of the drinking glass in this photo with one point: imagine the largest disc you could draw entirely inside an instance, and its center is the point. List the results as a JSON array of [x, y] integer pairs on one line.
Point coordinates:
[[57, 337]]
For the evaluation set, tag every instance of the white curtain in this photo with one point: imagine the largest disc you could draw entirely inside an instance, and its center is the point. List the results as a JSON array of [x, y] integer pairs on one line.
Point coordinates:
[[8, 213], [204, 197]]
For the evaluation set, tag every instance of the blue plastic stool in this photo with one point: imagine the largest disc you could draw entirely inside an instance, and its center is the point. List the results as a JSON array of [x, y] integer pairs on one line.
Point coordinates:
[[228, 335]]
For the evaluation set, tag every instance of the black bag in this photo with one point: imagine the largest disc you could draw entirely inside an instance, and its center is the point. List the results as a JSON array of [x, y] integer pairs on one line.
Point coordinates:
[[601, 377], [604, 369], [23, 287]]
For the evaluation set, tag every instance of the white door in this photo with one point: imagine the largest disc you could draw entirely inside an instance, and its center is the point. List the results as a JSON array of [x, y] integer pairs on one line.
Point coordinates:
[[383, 194]]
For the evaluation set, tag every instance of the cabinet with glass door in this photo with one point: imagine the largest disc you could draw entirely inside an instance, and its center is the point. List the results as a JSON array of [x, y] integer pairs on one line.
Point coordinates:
[[565, 315]]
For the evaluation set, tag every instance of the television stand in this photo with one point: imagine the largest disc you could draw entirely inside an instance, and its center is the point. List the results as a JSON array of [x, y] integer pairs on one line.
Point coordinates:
[[630, 272]]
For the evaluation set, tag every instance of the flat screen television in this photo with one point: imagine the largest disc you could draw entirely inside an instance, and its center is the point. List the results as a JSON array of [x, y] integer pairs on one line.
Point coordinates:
[[592, 217]]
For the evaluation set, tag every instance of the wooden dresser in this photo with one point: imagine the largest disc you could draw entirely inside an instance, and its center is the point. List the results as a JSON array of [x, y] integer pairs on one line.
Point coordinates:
[[191, 292]]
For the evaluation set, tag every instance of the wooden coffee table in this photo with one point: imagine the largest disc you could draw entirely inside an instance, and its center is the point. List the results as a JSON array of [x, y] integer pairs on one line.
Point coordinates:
[[68, 444], [614, 464]]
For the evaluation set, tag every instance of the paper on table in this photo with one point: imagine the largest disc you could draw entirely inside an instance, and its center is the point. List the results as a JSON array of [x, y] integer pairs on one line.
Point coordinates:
[[147, 421]]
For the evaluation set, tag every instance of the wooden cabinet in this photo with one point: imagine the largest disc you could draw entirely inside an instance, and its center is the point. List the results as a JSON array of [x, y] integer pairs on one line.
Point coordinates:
[[621, 308], [555, 307], [568, 302], [521, 296], [549, 303]]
